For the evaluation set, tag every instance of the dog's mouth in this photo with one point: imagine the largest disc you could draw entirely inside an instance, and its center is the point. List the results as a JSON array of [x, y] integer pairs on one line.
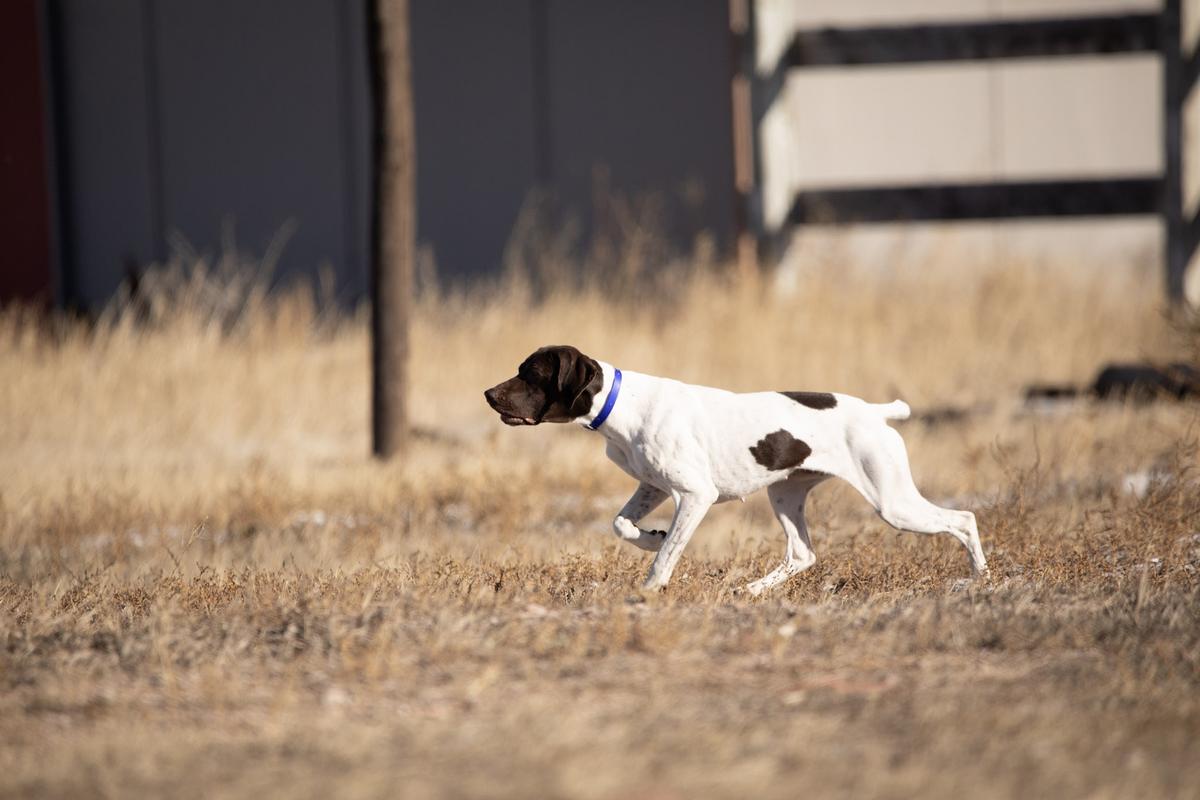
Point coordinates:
[[508, 414]]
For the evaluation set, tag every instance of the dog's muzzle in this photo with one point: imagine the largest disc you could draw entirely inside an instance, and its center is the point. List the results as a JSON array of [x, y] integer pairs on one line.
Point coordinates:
[[493, 400]]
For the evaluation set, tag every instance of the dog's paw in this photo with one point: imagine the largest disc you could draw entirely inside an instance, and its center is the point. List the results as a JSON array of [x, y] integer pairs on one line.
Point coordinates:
[[645, 594], [747, 591]]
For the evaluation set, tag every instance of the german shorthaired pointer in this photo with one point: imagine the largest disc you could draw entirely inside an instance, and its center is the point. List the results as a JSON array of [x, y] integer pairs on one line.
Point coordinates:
[[702, 446]]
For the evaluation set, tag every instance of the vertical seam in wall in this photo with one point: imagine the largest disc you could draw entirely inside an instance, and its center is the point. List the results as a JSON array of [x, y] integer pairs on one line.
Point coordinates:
[[1177, 249], [996, 132], [57, 154], [154, 155], [540, 58], [350, 210]]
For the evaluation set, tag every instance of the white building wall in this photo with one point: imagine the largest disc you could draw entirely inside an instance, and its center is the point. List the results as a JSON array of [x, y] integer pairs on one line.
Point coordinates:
[[966, 121]]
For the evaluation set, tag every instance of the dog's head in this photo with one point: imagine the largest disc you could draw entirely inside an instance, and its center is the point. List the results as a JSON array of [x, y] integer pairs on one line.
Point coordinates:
[[555, 384]]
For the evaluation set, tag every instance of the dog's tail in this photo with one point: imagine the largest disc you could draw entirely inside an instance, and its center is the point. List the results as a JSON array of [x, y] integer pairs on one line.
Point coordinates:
[[897, 409]]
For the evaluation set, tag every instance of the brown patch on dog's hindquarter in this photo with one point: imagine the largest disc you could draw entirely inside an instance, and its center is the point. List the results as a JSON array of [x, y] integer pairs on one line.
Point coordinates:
[[780, 450], [815, 400]]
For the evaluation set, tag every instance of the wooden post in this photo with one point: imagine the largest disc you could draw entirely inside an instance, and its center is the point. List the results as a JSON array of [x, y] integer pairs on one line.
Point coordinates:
[[393, 237], [746, 223], [1177, 249]]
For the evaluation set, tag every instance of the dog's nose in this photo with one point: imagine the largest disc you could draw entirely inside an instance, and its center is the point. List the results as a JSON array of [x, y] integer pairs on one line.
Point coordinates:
[[490, 396]]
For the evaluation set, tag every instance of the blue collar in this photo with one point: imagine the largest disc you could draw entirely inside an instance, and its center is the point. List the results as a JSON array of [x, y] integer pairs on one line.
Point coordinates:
[[609, 402]]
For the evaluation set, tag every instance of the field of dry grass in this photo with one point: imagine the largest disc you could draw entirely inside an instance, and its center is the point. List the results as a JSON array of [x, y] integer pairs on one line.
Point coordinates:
[[208, 590]]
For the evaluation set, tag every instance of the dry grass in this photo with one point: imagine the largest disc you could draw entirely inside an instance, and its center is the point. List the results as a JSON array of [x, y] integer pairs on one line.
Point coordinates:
[[207, 590]]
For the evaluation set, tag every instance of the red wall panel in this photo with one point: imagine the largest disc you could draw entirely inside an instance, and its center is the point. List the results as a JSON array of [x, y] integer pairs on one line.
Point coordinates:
[[25, 266]]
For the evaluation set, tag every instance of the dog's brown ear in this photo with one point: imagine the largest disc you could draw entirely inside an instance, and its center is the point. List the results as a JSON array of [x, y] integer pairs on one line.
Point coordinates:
[[579, 379], [568, 362]]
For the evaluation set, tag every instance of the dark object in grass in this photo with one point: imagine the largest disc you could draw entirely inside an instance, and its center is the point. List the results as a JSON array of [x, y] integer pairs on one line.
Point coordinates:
[[1135, 382]]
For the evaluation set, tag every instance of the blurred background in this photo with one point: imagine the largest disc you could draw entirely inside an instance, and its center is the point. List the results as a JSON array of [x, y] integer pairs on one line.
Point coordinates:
[[137, 130]]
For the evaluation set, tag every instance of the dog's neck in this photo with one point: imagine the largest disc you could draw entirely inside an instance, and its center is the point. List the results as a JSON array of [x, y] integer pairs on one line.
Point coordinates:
[[618, 417]]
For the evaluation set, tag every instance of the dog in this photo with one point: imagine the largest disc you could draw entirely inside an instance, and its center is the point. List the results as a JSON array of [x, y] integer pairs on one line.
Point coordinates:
[[700, 446]]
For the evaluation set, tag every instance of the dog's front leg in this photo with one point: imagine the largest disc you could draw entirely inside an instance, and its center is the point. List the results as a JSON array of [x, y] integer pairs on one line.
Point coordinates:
[[690, 508], [644, 500]]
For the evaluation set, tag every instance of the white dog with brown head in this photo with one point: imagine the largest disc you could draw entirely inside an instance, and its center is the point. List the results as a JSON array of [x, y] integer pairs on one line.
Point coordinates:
[[701, 446]]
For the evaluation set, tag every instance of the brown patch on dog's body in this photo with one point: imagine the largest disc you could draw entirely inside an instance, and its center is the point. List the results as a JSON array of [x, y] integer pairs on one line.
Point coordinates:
[[780, 450], [819, 401]]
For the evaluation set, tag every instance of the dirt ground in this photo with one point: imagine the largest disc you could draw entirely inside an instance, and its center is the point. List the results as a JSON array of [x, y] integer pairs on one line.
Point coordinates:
[[208, 590]]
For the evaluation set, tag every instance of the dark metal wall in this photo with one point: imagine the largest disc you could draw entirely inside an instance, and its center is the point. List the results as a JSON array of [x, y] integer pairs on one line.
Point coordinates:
[[473, 79], [187, 116], [641, 90]]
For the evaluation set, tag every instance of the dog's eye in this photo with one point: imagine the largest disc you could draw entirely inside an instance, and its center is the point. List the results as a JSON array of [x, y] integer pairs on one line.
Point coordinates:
[[532, 375]]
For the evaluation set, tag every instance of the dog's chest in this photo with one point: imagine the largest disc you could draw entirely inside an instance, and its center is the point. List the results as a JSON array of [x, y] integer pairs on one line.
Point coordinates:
[[681, 464], [633, 462]]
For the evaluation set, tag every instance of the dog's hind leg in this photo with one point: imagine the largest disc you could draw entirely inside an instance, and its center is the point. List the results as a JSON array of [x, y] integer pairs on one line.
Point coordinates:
[[787, 501], [645, 499], [885, 479]]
